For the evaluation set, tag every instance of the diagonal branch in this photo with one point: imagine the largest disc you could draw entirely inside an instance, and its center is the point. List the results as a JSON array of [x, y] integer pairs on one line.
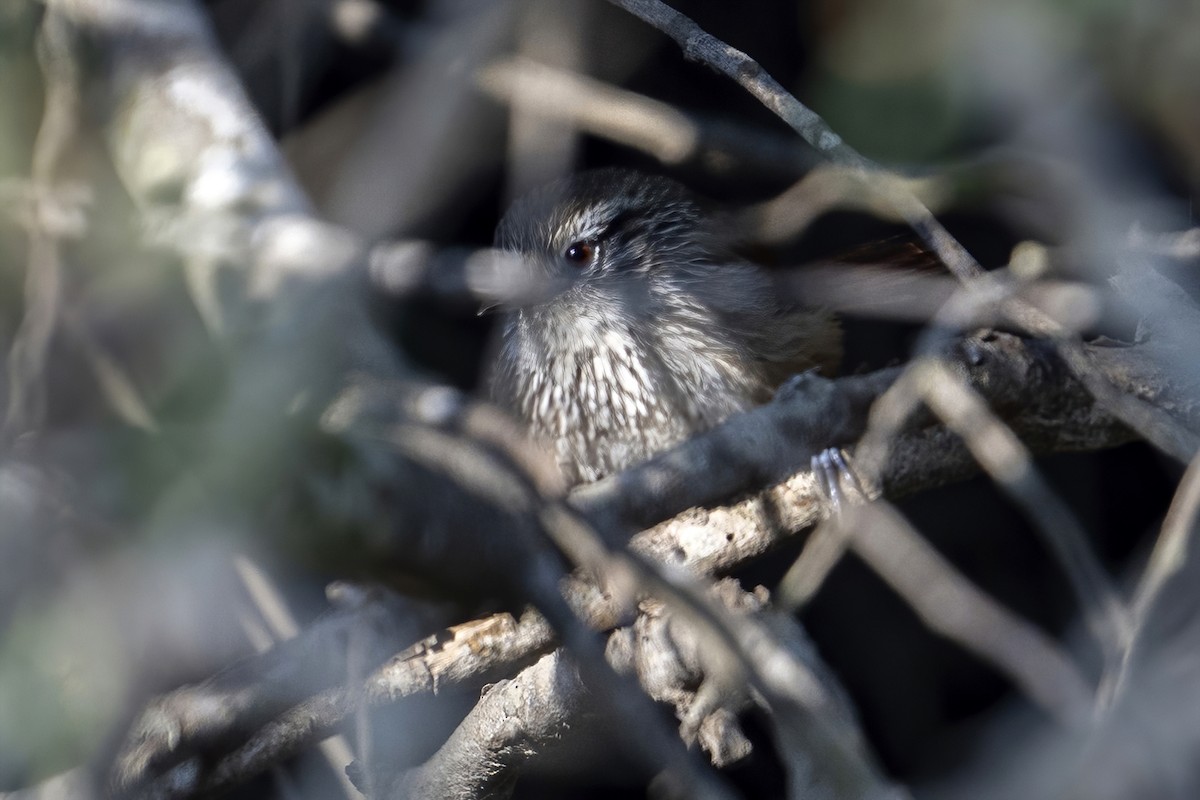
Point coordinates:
[[697, 44]]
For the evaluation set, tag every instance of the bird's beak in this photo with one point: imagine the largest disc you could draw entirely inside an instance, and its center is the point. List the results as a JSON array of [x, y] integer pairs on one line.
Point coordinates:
[[504, 280]]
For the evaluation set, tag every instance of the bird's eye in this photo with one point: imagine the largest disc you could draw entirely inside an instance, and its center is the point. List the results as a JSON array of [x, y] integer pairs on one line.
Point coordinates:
[[580, 253]]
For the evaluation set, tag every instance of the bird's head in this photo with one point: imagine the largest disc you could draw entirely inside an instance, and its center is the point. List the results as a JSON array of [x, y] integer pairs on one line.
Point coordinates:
[[609, 233]]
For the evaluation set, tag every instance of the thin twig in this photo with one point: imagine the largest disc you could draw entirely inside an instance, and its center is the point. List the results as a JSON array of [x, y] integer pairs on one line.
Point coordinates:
[[698, 45], [1172, 547], [701, 540], [43, 277], [951, 605], [1009, 464], [1183, 244], [469, 655], [1167, 560], [491, 475], [671, 135], [1158, 427], [822, 552], [281, 625]]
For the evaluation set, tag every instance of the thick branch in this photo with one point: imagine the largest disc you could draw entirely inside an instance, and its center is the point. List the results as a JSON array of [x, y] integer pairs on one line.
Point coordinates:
[[515, 720], [1023, 381]]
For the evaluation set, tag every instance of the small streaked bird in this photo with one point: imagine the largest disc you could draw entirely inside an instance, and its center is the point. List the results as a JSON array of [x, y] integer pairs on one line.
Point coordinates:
[[660, 332]]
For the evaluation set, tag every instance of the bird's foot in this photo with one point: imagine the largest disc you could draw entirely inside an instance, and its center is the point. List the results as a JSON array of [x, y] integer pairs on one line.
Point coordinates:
[[838, 481]]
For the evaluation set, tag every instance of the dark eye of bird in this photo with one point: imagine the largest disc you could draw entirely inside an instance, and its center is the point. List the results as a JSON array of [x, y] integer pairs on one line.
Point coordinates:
[[581, 253]]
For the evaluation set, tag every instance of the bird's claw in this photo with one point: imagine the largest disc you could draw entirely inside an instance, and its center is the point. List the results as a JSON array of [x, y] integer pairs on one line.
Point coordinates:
[[837, 479]]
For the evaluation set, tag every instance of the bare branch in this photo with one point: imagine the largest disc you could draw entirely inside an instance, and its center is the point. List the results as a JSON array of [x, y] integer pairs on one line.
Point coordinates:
[[1173, 544], [1182, 244], [955, 608], [516, 719], [199, 718], [1016, 376], [669, 134], [1009, 463], [698, 45], [439, 490], [30, 345]]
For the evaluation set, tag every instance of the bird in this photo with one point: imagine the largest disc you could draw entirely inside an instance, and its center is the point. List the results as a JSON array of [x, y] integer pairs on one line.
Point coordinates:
[[660, 332]]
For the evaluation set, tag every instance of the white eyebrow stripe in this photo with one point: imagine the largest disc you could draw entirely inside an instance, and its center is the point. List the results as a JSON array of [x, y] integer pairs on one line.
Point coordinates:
[[590, 222]]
